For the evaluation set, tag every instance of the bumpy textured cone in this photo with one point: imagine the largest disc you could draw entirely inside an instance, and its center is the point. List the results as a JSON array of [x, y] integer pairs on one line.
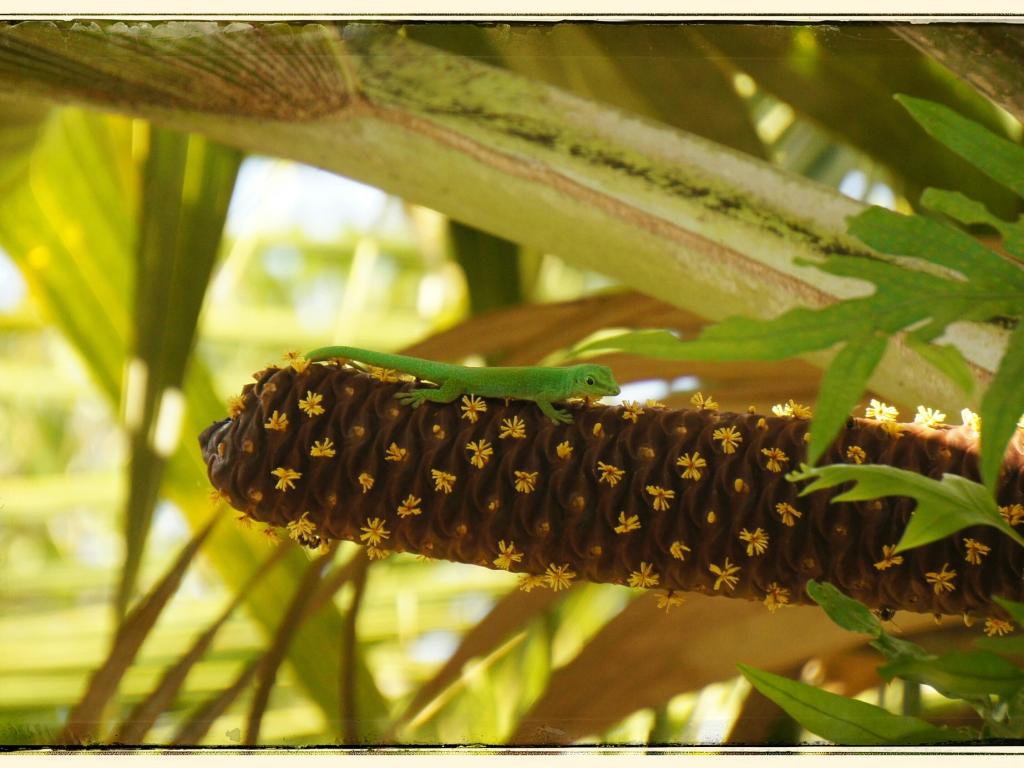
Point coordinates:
[[645, 496]]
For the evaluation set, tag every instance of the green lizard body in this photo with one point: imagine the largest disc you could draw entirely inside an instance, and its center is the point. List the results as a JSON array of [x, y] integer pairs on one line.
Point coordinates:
[[542, 385]]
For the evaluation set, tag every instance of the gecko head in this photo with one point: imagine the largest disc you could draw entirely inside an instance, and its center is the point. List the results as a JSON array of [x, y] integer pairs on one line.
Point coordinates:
[[594, 380]]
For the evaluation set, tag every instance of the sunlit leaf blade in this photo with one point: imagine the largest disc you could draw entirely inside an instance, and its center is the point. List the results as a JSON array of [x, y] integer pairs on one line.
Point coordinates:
[[841, 387], [86, 717], [513, 612], [1002, 407], [995, 156], [186, 188], [293, 617], [943, 506], [842, 720], [946, 359], [135, 726], [844, 611], [69, 224], [961, 208], [961, 674], [193, 730], [1007, 646]]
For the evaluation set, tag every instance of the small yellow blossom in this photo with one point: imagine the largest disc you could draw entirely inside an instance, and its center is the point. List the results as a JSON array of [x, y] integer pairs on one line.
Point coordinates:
[[481, 451], [892, 429], [300, 528], [627, 524], [691, 464], [277, 421], [792, 409], [757, 541], [508, 555], [411, 506], [443, 481], [889, 558], [658, 404], [678, 550], [788, 513], [645, 577], [762, 423], [662, 496], [975, 551], [726, 574], [296, 361], [559, 576], [286, 478], [631, 411], [929, 416], [526, 482], [527, 582], [365, 480], [997, 627], [385, 375], [609, 474], [394, 453], [705, 403], [374, 532], [971, 420], [236, 405], [941, 580], [514, 428], [729, 438], [564, 449], [879, 411], [856, 454], [376, 553], [310, 404], [271, 533], [244, 520], [670, 599], [323, 448], [776, 597], [1013, 513], [711, 517], [472, 407], [776, 458]]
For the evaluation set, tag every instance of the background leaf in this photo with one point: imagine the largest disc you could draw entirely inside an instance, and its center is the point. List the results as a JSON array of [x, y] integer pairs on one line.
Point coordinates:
[[943, 506]]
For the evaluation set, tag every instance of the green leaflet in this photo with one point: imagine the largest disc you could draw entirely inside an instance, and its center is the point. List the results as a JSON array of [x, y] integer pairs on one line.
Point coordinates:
[[943, 507], [842, 720], [1015, 609], [959, 674], [961, 208], [1001, 407], [1000, 159]]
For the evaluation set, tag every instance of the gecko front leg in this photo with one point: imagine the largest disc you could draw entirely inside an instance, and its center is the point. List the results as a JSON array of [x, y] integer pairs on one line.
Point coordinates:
[[444, 394], [556, 415]]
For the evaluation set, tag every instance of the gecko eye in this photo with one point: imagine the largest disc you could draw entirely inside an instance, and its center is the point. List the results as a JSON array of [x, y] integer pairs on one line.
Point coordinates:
[[590, 380]]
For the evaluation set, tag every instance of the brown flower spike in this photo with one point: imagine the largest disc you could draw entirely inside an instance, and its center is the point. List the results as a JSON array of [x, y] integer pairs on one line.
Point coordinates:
[[456, 487]]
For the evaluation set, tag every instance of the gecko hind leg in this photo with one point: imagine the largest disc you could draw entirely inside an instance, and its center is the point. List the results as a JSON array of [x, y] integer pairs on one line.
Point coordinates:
[[416, 397]]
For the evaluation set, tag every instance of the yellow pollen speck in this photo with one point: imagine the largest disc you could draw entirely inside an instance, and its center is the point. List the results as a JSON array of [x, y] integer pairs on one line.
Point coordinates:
[[310, 404], [286, 478], [740, 485], [514, 428], [443, 481], [711, 517], [322, 448], [627, 524], [411, 506], [704, 403], [856, 454], [598, 429], [525, 482], [481, 452], [438, 431], [609, 474], [277, 421], [394, 453], [564, 449]]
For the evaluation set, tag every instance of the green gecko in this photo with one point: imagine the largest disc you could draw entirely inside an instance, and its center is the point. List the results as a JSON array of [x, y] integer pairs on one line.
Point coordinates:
[[542, 385]]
